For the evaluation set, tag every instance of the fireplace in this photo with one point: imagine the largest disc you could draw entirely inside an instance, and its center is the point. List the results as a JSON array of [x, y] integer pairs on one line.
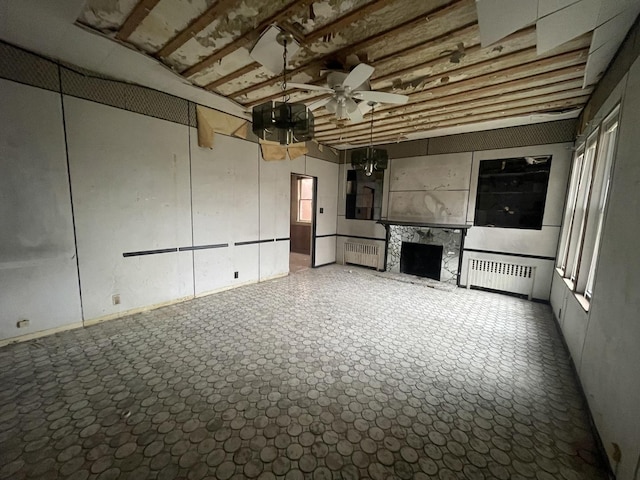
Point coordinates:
[[421, 260], [415, 250]]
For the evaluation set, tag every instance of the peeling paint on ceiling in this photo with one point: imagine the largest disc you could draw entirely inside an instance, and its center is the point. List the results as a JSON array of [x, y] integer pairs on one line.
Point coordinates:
[[427, 49], [106, 14]]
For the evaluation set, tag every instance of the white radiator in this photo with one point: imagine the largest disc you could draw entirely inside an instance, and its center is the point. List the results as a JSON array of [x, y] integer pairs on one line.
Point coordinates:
[[361, 254], [506, 277]]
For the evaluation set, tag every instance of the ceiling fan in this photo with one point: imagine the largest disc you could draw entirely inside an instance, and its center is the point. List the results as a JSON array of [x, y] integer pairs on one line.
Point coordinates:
[[350, 93]]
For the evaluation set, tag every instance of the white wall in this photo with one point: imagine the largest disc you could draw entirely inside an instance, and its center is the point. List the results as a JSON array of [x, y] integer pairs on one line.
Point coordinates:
[[130, 183], [431, 189], [138, 184], [604, 342], [38, 272]]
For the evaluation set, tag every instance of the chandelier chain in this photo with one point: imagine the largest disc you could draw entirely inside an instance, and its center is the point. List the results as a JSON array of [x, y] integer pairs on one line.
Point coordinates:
[[285, 97]]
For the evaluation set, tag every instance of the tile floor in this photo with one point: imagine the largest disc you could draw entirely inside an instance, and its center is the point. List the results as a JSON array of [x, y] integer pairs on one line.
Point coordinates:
[[331, 373]]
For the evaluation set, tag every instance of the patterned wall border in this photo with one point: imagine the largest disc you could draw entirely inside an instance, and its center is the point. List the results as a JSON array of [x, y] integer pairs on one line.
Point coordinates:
[[559, 131], [29, 68]]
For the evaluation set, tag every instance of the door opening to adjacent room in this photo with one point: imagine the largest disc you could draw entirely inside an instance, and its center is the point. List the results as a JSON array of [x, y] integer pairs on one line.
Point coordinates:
[[302, 220]]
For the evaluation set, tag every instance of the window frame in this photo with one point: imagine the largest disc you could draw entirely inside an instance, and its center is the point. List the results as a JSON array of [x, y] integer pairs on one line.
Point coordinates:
[[587, 200], [299, 200]]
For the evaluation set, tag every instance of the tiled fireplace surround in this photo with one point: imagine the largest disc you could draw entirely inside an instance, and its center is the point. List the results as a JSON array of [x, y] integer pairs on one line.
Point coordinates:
[[449, 238]]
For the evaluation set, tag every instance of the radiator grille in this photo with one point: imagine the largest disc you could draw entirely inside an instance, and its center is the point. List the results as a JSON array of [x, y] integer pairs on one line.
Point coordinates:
[[361, 254], [502, 276]]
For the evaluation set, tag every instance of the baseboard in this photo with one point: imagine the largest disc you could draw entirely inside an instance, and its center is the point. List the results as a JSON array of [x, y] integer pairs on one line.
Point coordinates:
[[133, 311], [604, 458], [225, 288], [324, 264], [41, 333], [274, 277]]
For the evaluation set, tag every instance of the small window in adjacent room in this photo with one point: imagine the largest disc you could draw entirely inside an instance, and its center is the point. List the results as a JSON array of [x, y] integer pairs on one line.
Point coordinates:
[[364, 195], [512, 192], [305, 200]]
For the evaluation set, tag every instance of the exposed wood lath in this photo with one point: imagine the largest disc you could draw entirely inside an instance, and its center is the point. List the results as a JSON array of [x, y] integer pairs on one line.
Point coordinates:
[[428, 50]]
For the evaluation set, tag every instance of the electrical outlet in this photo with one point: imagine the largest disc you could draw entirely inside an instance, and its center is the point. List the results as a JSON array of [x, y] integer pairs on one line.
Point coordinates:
[[23, 323], [115, 299], [321, 210], [235, 274]]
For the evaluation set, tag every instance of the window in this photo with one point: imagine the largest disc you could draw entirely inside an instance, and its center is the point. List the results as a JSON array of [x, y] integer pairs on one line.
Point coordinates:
[[512, 192], [600, 195], [585, 210], [305, 200]]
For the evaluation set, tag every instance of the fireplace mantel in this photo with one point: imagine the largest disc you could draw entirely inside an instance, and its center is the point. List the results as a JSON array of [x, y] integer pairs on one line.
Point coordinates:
[[387, 223]]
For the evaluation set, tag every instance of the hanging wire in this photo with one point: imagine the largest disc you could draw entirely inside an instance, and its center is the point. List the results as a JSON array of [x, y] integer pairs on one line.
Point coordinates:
[[371, 136], [285, 96]]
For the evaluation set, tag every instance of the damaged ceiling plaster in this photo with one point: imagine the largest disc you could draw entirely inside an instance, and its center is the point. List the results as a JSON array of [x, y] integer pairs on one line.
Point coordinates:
[[430, 50]]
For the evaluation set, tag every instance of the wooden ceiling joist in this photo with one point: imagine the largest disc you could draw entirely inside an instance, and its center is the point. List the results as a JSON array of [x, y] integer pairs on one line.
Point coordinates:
[[346, 20], [135, 18], [244, 38], [470, 109], [448, 69], [196, 26], [453, 103], [453, 92], [516, 112], [382, 36], [231, 76]]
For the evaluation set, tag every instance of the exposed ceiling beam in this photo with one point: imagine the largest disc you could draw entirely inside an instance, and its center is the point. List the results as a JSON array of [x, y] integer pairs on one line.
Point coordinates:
[[233, 75], [436, 69], [196, 26], [243, 39], [469, 109], [453, 92], [409, 50], [364, 43], [534, 109], [458, 102], [135, 18], [513, 64], [346, 20]]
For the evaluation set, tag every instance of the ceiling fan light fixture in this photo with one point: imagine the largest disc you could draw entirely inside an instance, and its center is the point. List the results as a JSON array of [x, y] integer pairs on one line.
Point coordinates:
[[283, 122], [369, 159]]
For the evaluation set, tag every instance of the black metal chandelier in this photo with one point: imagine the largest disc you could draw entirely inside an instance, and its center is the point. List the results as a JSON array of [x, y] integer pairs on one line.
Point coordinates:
[[283, 122], [369, 158]]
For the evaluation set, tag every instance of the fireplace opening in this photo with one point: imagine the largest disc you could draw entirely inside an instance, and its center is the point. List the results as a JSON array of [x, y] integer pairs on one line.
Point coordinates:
[[421, 260]]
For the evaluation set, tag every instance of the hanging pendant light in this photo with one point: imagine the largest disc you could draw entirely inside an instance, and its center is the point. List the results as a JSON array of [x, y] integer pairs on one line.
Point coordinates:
[[283, 122], [369, 158]]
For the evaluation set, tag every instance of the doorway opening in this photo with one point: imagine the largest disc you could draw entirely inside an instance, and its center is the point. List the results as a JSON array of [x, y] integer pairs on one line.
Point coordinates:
[[302, 222]]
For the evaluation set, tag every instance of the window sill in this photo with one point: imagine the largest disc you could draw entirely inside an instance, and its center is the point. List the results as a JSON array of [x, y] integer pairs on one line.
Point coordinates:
[[582, 300]]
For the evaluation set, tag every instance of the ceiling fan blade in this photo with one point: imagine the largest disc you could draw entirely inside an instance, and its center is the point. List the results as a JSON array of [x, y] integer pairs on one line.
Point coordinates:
[[356, 116], [319, 103], [350, 105], [381, 97], [306, 86], [358, 76], [332, 105], [365, 107]]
